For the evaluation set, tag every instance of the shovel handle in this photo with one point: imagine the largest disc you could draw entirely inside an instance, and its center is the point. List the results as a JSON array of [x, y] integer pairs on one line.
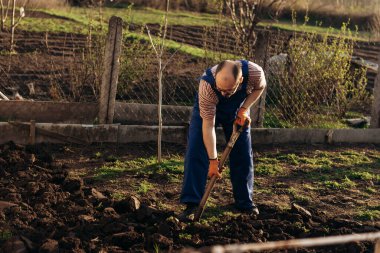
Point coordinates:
[[235, 135]]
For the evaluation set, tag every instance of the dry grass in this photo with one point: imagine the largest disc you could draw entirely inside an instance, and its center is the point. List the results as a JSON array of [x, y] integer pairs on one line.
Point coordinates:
[[351, 7], [41, 4], [364, 14]]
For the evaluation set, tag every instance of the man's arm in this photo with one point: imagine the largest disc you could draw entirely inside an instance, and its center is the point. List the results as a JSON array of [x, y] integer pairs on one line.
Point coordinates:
[[258, 83], [207, 106], [209, 137], [252, 98]]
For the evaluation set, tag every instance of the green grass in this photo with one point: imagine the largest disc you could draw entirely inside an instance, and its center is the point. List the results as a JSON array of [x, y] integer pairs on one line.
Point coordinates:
[[138, 15], [332, 170], [111, 171], [170, 168], [363, 175], [300, 27], [213, 213], [184, 48], [79, 20], [57, 26], [267, 166], [298, 196], [144, 187], [371, 213], [329, 124], [273, 120], [352, 115], [185, 236], [148, 15], [118, 195], [51, 25], [5, 235], [371, 190], [344, 184]]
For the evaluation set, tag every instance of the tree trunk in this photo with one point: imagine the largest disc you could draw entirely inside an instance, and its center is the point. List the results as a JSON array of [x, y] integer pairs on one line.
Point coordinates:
[[13, 26], [159, 139]]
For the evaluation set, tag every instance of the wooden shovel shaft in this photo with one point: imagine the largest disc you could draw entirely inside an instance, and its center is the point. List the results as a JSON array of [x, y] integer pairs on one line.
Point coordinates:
[[235, 135]]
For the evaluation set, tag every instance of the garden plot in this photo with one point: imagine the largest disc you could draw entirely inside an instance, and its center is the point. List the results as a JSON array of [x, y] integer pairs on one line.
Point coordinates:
[[110, 198]]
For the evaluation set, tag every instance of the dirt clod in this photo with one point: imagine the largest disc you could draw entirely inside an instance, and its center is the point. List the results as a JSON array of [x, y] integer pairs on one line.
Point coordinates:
[[49, 246]]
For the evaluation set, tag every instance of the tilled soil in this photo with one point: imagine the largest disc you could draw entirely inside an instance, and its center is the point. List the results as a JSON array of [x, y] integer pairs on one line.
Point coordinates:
[[44, 208]]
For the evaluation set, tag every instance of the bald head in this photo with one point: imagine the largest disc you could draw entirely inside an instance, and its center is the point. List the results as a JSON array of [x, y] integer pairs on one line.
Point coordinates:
[[228, 76]]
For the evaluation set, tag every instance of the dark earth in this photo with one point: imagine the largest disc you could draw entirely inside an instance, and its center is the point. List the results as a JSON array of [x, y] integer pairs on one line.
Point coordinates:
[[48, 204]]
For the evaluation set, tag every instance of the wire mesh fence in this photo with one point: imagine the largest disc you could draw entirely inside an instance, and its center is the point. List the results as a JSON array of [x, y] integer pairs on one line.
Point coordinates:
[[68, 67], [51, 66]]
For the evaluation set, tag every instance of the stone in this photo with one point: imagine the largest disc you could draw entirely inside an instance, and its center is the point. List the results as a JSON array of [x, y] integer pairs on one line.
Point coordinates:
[[4, 205], [130, 204], [73, 185], [111, 213], [14, 244], [302, 211], [69, 243], [162, 241], [98, 195], [127, 239], [49, 246], [358, 122]]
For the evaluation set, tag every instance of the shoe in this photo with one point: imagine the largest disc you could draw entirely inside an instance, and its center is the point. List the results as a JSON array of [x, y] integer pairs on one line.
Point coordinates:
[[189, 212], [254, 211]]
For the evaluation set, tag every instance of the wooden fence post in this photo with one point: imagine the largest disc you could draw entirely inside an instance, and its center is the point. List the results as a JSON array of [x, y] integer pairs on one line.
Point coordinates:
[[375, 117], [261, 58], [111, 63]]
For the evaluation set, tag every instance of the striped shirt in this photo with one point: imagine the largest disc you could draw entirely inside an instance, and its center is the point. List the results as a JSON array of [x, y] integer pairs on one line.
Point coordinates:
[[208, 99]]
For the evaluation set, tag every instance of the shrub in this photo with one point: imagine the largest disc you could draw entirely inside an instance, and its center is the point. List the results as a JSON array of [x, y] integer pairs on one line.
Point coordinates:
[[317, 78]]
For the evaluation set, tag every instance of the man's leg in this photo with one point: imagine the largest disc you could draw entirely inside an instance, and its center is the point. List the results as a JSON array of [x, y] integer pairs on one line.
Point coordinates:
[[241, 168], [196, 163]]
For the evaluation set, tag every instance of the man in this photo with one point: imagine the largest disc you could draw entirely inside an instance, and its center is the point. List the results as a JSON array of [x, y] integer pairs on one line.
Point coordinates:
[[226, 93]]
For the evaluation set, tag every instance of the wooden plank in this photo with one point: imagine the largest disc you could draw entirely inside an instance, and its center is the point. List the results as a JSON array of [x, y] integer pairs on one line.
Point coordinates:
[[294, 243], [3, 96], [51, 134], [49, 111]]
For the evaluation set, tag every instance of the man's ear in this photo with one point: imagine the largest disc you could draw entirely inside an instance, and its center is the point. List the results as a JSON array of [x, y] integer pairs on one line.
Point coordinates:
[[241, 79]]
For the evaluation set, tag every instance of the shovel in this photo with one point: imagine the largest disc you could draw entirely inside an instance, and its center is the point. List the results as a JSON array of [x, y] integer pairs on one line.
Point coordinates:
[[235, 135]]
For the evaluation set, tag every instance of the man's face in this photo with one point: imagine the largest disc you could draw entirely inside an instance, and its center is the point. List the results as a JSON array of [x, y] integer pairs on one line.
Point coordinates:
[[225, 81]]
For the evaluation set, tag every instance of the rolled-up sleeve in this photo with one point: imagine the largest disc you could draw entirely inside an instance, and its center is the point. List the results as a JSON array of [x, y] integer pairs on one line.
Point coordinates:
[[207, 101], [256, 79]]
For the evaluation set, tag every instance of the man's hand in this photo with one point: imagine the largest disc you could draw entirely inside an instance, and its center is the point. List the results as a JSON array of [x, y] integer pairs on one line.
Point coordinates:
[[242, 116], [213, 168]]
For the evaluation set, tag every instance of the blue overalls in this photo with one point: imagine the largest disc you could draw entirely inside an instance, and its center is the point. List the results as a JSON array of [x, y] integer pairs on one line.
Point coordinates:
[[241, 158]]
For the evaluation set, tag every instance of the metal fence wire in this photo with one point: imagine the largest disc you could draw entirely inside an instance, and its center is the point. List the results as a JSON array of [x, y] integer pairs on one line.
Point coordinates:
[[311, 82]]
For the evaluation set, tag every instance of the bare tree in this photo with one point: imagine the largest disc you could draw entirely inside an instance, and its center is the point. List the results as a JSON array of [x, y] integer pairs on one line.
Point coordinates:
[[15, 22], [159, 51], [4, 12], [246, 15]]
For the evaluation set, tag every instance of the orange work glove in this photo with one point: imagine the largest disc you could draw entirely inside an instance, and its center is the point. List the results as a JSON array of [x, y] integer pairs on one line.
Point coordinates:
[[213, 168], [242, 116]]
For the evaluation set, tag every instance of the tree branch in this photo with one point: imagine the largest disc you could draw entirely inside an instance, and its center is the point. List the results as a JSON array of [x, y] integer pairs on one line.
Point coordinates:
[[171, 57], [151, 41]]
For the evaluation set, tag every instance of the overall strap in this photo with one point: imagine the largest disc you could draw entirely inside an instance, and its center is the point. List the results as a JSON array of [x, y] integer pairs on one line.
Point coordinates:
[[209, 77], [245, 70]]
